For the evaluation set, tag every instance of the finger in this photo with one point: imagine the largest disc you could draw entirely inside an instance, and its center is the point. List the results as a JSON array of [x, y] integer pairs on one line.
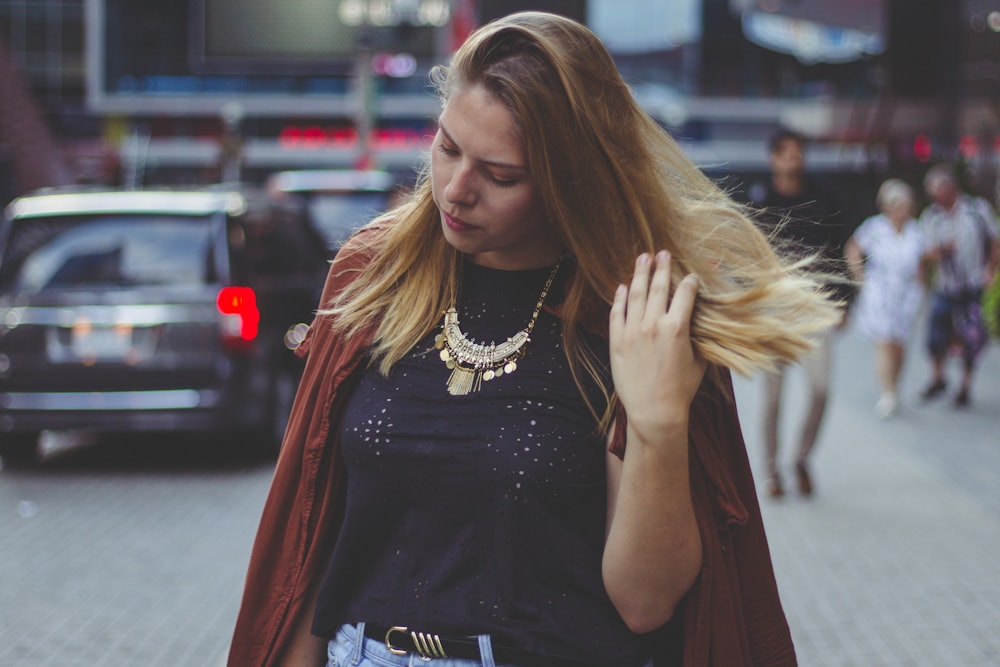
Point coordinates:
[[616, 320], [659, 286], [639, 288], [685, 295]]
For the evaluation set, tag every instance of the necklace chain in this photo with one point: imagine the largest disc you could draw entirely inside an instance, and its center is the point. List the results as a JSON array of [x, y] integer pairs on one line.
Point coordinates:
[[472, 363]]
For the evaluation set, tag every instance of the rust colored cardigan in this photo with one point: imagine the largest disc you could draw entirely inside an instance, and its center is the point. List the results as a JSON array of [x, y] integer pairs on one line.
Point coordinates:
[[731, 617]]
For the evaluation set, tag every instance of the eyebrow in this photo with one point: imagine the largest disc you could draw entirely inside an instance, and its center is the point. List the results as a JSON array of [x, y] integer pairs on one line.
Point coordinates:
[[491, 163]]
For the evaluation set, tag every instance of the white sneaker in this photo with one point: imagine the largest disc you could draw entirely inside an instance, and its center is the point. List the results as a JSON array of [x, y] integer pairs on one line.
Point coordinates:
[[886, 406]]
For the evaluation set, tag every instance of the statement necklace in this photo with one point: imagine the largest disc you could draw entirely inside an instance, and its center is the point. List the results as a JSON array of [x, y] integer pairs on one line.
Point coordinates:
[[470, 362]]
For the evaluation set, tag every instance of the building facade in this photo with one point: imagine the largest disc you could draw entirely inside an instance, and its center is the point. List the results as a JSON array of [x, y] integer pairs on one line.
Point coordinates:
[[143, 91]]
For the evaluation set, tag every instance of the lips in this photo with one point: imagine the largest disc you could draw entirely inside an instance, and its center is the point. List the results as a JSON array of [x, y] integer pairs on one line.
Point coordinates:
[[455, 224]]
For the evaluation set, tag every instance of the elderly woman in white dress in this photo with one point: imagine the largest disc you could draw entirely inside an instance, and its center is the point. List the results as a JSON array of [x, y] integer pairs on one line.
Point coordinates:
[[885, 256]]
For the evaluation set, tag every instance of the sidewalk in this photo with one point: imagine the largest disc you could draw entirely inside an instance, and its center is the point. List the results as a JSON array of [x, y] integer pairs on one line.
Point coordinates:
[[895, 560]]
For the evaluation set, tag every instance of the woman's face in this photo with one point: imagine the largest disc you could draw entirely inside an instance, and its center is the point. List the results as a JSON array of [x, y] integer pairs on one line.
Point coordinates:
[[899, 209], [490, 208]]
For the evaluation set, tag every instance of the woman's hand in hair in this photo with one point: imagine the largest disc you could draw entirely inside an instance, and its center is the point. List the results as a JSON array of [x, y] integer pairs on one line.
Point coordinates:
[[655, 366], [653, 549]]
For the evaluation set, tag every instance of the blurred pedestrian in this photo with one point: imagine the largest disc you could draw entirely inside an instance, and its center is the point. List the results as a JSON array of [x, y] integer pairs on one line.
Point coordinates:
[[576, 492], [802, 218], [885, 256], [961, 232]]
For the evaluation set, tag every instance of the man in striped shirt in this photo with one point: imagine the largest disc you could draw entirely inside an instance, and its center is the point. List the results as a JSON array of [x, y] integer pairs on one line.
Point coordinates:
[[962, 242]]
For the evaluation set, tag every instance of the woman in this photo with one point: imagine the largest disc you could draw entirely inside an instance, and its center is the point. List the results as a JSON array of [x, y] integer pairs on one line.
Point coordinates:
[[884, 255], [552, 472]]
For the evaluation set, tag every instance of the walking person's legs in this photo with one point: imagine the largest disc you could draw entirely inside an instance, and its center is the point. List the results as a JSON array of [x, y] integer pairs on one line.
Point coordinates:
[[962, 398], [888, 366], [939, 336], [772, 414], [973, 337], [817, 368]]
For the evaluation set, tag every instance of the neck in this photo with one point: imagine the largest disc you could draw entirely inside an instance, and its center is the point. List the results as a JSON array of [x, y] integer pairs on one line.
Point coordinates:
[[788, 184], [473, 363]]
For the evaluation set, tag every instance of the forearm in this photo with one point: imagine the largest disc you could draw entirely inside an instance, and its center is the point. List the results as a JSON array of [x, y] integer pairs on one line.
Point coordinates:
[[653, 550], [855, 261], [652, 553]]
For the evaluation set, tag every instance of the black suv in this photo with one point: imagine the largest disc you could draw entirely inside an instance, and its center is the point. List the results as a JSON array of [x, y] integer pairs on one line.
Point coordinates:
[[152, 310]]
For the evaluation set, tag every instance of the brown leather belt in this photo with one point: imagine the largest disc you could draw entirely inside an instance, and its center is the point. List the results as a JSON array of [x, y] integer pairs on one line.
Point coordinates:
[[402, 641]]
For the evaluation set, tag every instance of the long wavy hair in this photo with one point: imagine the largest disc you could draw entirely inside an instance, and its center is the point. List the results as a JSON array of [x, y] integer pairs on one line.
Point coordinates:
[[613, 184]]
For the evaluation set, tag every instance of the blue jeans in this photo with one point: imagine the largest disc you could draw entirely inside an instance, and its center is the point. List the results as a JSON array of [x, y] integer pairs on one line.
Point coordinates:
[[350, 648]]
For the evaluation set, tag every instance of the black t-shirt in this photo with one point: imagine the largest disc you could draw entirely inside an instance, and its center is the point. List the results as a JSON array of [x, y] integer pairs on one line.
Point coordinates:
[[810, 218], [806, 223], [482, 513]]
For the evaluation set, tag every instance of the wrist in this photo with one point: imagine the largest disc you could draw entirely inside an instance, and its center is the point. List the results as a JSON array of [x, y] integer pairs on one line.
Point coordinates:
[[659, 460], [658, 433]]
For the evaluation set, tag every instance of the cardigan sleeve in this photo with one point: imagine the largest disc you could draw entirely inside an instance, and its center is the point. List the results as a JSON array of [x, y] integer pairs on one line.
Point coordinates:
[[739, 619], [299, 519]]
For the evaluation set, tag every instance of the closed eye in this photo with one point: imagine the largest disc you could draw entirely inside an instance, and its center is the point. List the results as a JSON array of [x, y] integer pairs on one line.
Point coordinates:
[[447, 151], [502, 182]]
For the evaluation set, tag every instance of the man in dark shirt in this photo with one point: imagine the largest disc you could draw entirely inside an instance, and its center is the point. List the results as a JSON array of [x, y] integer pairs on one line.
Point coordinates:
[[802, 218]]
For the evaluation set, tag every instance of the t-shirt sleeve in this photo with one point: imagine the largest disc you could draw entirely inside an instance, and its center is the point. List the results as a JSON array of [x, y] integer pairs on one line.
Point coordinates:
[[988, 215], [863, 235]]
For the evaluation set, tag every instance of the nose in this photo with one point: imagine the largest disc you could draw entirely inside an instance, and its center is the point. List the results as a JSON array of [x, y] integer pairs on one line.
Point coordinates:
[[461, 187]]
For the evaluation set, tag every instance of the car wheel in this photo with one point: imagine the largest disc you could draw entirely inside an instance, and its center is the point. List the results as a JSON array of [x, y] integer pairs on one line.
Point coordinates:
[[18, 450]]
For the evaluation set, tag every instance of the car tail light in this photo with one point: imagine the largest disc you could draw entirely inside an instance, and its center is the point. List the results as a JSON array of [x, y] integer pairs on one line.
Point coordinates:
[[240, 316]]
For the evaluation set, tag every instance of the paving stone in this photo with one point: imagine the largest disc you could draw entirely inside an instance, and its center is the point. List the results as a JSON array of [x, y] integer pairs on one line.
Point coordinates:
[[122, 556], [893, 561]]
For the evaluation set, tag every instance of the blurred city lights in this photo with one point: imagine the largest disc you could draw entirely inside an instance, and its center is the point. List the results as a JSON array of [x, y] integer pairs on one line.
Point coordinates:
[[922, 148], [396, 65], [968, 146], [314, 137], [390, 13]]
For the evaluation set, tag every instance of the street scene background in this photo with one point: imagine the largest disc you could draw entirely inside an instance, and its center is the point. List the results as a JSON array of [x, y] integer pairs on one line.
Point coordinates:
[[124, 553], [131, 550]]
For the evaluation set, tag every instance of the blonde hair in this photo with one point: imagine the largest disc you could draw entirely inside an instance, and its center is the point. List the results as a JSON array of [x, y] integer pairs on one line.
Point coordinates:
[[613, 184], [892, 192]]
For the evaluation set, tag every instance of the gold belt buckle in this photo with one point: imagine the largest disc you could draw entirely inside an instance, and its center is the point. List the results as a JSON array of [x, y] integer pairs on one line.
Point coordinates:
[[388, 640], [428, 646]]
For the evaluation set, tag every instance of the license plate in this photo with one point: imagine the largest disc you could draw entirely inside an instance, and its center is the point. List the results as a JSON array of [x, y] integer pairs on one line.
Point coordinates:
[[93, 342]]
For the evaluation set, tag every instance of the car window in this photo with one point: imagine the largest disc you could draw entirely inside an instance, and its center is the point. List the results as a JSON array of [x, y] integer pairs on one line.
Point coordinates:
[[275, 241], [121, 250], [336, 215]]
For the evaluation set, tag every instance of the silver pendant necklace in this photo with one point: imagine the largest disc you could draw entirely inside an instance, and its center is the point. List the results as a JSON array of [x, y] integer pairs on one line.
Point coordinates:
[[472, 363]]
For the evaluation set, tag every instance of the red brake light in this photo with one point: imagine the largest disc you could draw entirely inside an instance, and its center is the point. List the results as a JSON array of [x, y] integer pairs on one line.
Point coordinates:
[[241, 304], [968, 146], [922, 147]]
